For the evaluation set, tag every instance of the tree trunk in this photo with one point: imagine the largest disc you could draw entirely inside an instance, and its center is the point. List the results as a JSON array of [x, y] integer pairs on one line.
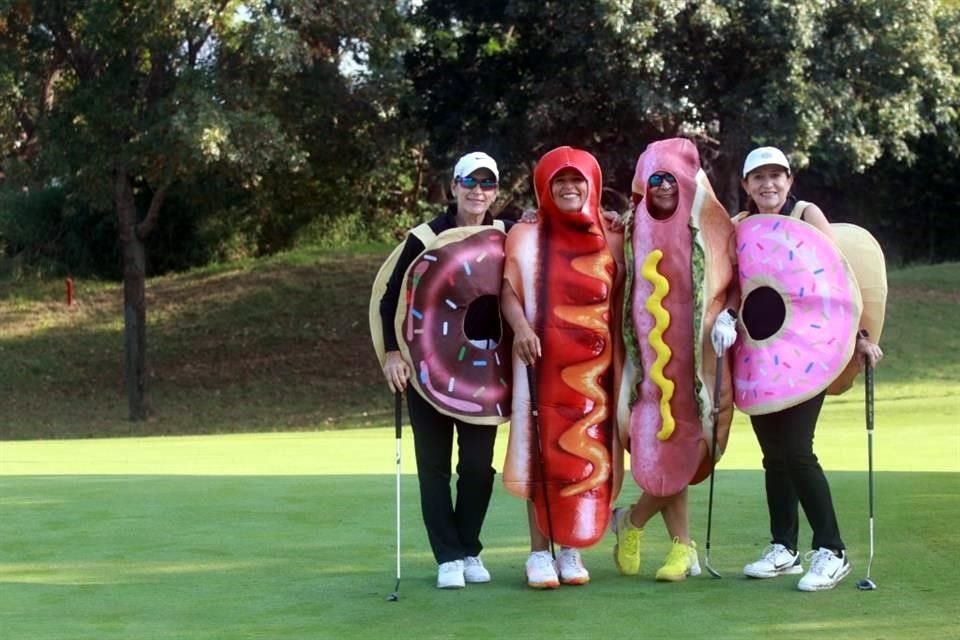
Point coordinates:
[[134, 296]]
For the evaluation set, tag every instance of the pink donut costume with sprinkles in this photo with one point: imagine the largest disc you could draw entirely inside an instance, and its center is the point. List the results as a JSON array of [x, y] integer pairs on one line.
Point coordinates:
[[460, 377], [821, 312]]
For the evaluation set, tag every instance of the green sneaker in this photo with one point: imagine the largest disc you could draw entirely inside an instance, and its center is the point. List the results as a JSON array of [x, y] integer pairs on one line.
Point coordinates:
[[681, 562], [626, 553]]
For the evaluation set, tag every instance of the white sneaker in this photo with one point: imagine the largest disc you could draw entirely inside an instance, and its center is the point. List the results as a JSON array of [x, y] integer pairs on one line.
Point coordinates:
[[826, 570], [450, 575], [474, 571], [571, 568], [541, 572], [777, 560]]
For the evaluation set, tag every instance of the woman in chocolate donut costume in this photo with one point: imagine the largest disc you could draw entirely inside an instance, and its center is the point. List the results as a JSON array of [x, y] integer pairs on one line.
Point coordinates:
[[800, 315], [442, 333]]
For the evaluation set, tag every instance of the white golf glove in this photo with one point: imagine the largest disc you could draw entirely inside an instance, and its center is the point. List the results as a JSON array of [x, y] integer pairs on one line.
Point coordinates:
[[724, 332]]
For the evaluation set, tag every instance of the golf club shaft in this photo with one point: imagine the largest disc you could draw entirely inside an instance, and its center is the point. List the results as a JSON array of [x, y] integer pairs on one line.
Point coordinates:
[[868, 374], [398, 415], [535, 421], [713, 457]]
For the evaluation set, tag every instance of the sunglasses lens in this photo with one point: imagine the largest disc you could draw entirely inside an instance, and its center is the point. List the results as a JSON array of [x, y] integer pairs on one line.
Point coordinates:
[[469, 182], [656, 180]]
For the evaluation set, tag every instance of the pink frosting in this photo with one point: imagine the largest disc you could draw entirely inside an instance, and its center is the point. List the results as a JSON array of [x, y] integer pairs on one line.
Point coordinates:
[[822, 304]]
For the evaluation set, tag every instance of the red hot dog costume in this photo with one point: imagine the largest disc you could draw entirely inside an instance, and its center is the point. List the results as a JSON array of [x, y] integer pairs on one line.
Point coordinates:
[[565, 276], [678, 272]]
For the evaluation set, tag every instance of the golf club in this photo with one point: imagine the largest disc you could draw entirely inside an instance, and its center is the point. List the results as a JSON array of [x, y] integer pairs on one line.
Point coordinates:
[[713, 456], [535, 420], [867, 584], [398, 416]]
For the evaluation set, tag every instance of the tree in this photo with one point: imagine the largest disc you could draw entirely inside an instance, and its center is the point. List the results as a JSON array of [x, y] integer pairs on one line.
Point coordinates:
[[121, 99], [840, 82]]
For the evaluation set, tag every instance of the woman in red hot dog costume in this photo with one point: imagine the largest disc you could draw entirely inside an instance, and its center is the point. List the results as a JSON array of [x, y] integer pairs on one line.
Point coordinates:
[[559, 297], [440, 330], [678, 274]]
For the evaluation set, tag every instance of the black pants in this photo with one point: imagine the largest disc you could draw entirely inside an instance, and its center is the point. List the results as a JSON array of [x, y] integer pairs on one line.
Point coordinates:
[[453, 529], [793, 475]]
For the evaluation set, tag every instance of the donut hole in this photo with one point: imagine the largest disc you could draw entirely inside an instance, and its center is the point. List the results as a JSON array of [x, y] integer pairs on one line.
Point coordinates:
[[481, 324], [763, 312]]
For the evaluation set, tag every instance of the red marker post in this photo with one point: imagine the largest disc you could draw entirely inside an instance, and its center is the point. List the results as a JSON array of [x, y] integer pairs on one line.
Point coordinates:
[[69, 282]]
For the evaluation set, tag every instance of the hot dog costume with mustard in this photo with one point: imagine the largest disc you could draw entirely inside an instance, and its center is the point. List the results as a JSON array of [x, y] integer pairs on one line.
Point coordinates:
[[678, 274], [565, 275]]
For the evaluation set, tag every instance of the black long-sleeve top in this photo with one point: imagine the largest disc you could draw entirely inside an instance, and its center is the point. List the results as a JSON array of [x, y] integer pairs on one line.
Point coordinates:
[[483, 322]]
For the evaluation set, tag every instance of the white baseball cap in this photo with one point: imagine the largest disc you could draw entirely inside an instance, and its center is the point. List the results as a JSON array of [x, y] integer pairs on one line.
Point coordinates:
[[765, 155], [473, 161]]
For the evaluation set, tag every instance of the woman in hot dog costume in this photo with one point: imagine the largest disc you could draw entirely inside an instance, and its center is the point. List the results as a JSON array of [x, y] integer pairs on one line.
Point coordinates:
[[449, 331], [559, 297], [679, 274], [800, 315]]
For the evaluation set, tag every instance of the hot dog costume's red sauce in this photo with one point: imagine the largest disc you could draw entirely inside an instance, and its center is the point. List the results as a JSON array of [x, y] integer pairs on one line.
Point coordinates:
[[679, 274], [565, 275]]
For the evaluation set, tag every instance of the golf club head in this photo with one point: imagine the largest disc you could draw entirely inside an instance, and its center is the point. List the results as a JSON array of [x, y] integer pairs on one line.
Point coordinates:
[[711, 570], [393, 597], [866, 585]]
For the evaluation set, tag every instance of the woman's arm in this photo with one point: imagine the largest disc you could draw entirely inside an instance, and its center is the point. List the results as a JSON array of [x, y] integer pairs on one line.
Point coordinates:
[[814, 215], [526, 344]]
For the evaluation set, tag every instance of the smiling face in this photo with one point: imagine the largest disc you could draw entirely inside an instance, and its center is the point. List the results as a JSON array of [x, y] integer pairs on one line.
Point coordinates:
[[768, 187], [473, 203], [662, 199], [569, 190]]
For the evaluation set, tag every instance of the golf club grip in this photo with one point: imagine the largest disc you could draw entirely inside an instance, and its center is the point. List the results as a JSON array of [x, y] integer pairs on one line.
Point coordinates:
[[532, 383], [868, 375], [398, 413]]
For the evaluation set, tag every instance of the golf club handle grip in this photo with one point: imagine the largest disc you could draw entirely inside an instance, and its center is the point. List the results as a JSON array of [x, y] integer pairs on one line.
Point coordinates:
[[532, 383], [398, 413], [868, 390]]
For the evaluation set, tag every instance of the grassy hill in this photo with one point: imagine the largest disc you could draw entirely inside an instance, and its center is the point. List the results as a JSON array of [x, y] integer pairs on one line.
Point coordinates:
[[283, 344]]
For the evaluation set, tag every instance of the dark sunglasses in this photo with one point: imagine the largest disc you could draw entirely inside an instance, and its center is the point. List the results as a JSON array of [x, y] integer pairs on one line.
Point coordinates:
[[468, 182], [657, 179]]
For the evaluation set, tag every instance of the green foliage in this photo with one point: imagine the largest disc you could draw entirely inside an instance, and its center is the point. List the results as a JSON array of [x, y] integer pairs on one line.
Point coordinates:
[[57, 235]]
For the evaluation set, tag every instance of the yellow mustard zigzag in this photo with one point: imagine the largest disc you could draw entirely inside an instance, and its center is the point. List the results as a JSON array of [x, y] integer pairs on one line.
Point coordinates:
[[584, 377], [655, 306]]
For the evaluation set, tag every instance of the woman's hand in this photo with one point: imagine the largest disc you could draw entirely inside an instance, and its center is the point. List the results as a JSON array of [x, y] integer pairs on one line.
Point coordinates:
[[615, 222], [529, 216], [526, 346], [396, 371], [868, 352]]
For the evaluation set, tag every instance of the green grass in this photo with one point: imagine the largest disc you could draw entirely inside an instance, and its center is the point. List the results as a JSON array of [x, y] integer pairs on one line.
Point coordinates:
[[291, 536], [282, 344]]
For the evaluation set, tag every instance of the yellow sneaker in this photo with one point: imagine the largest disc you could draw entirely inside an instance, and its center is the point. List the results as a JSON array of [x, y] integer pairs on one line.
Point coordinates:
[[626, 553], [681, 562]]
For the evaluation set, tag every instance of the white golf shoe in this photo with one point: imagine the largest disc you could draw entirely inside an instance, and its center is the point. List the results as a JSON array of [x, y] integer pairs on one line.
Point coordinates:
[[541, 571], [473, 570], [826, 570], [450, 575], [777, 560], [570, 566]]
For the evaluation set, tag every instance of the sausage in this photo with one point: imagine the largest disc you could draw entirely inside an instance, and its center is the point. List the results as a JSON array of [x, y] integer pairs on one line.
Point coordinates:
[[679, 275], [563, 271]]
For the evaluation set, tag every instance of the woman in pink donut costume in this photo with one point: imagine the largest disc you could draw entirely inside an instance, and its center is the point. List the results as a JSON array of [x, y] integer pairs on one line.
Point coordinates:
[[799, 316], [443, 342]]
